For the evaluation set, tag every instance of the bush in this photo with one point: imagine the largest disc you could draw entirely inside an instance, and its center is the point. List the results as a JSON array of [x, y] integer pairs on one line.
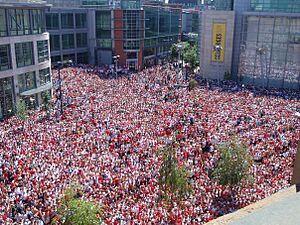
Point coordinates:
[[193, 84]]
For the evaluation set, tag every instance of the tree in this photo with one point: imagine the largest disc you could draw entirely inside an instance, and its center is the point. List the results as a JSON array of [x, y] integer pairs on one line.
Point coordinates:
[[21, 109], [190, 55], [193, 84], [46, 102], [173, 180], [233, 165], [75, 211]]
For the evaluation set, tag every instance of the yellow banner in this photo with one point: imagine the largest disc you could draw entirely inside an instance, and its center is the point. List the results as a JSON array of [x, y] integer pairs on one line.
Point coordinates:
[[218, 42]]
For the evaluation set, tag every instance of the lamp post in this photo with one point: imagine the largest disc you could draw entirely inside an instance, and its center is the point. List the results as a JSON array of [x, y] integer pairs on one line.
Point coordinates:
[[179, 47], [59, 67], [116, 59], [262, 51]]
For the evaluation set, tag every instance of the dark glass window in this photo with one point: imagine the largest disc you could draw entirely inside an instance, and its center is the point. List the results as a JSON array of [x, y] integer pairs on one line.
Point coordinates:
[[68, 41], [54, 42], [5, 59], [26, 81], [81, 40], [43, 52], [52, 21], [24, 54], [45, 76], [81, 20], [67, 21]]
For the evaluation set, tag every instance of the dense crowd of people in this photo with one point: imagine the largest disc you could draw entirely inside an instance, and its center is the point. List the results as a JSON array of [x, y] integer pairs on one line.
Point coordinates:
[[109, 134]]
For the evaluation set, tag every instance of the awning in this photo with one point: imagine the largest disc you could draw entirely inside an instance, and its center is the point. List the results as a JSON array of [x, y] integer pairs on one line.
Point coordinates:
[[37, 90]]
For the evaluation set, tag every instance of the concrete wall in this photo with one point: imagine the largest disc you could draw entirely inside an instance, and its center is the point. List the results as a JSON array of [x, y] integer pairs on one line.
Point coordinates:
[[208, 68], [15, 71]]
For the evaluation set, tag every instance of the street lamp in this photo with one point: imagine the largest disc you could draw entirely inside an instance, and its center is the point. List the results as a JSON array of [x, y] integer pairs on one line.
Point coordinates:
[[116, 59], [60, 65], [31, 101], [262, 51], [179, 47]]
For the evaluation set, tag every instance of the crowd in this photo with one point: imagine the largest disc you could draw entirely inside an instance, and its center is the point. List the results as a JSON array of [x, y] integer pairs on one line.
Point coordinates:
[[108, 137]]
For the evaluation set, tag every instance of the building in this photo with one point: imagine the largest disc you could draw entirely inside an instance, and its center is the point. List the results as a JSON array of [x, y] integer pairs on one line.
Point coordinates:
[[24, 54], [140, 33], [267, 52], [216, 43]]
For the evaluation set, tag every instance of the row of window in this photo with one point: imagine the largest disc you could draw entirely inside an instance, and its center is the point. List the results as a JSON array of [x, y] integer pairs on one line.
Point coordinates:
[[15, 22], [27, 81], [68, 41], [82, 58], [66, 21], [24, 54]]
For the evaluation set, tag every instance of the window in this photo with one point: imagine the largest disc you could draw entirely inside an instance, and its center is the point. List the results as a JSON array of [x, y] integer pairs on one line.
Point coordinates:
[[80, 20], [67, 20], [37, 20], [3, 24], [52, 21], [5, 60], [81, 40], [54, 43], [24, 54], [45, 76], [68, 57], [68, 41], [83, 58], [43, 52], [55, 59], [26, 81]]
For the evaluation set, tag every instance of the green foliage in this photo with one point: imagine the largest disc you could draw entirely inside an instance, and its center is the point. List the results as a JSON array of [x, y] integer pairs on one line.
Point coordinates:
[[227, 75], [75, 211], [173, 179], [174, 53], [190, 55], [21, 109], [193, 84], [233, 165], [46, 101]]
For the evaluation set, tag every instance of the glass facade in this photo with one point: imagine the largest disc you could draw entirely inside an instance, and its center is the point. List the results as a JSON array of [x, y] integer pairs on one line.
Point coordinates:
[[26, 81], [81, 40], [5, 59], [223, 4], [68, 41], [52, 21], [67, 21], [288, 6], [81, 20], [24, 54], [162, 26], [130, 4], [103, 29], [132, 29], [6, 97], [45, 76], [54, 43], [270, 51], [97, 3], [15, 22], [43, 51]]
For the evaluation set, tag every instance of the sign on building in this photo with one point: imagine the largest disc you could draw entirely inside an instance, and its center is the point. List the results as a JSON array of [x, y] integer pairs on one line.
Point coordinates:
[[218, 42]]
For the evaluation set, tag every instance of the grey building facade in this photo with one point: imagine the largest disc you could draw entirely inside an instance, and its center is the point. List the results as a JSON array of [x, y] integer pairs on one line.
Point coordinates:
[[25, 71]]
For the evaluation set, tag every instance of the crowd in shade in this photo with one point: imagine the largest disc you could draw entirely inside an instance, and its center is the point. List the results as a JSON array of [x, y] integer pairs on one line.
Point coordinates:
[[108, 136]]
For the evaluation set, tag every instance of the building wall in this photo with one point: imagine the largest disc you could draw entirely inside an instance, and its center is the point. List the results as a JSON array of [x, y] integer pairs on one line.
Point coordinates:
[[77, 52], [270, 50], [24, 74], [215, 69]]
